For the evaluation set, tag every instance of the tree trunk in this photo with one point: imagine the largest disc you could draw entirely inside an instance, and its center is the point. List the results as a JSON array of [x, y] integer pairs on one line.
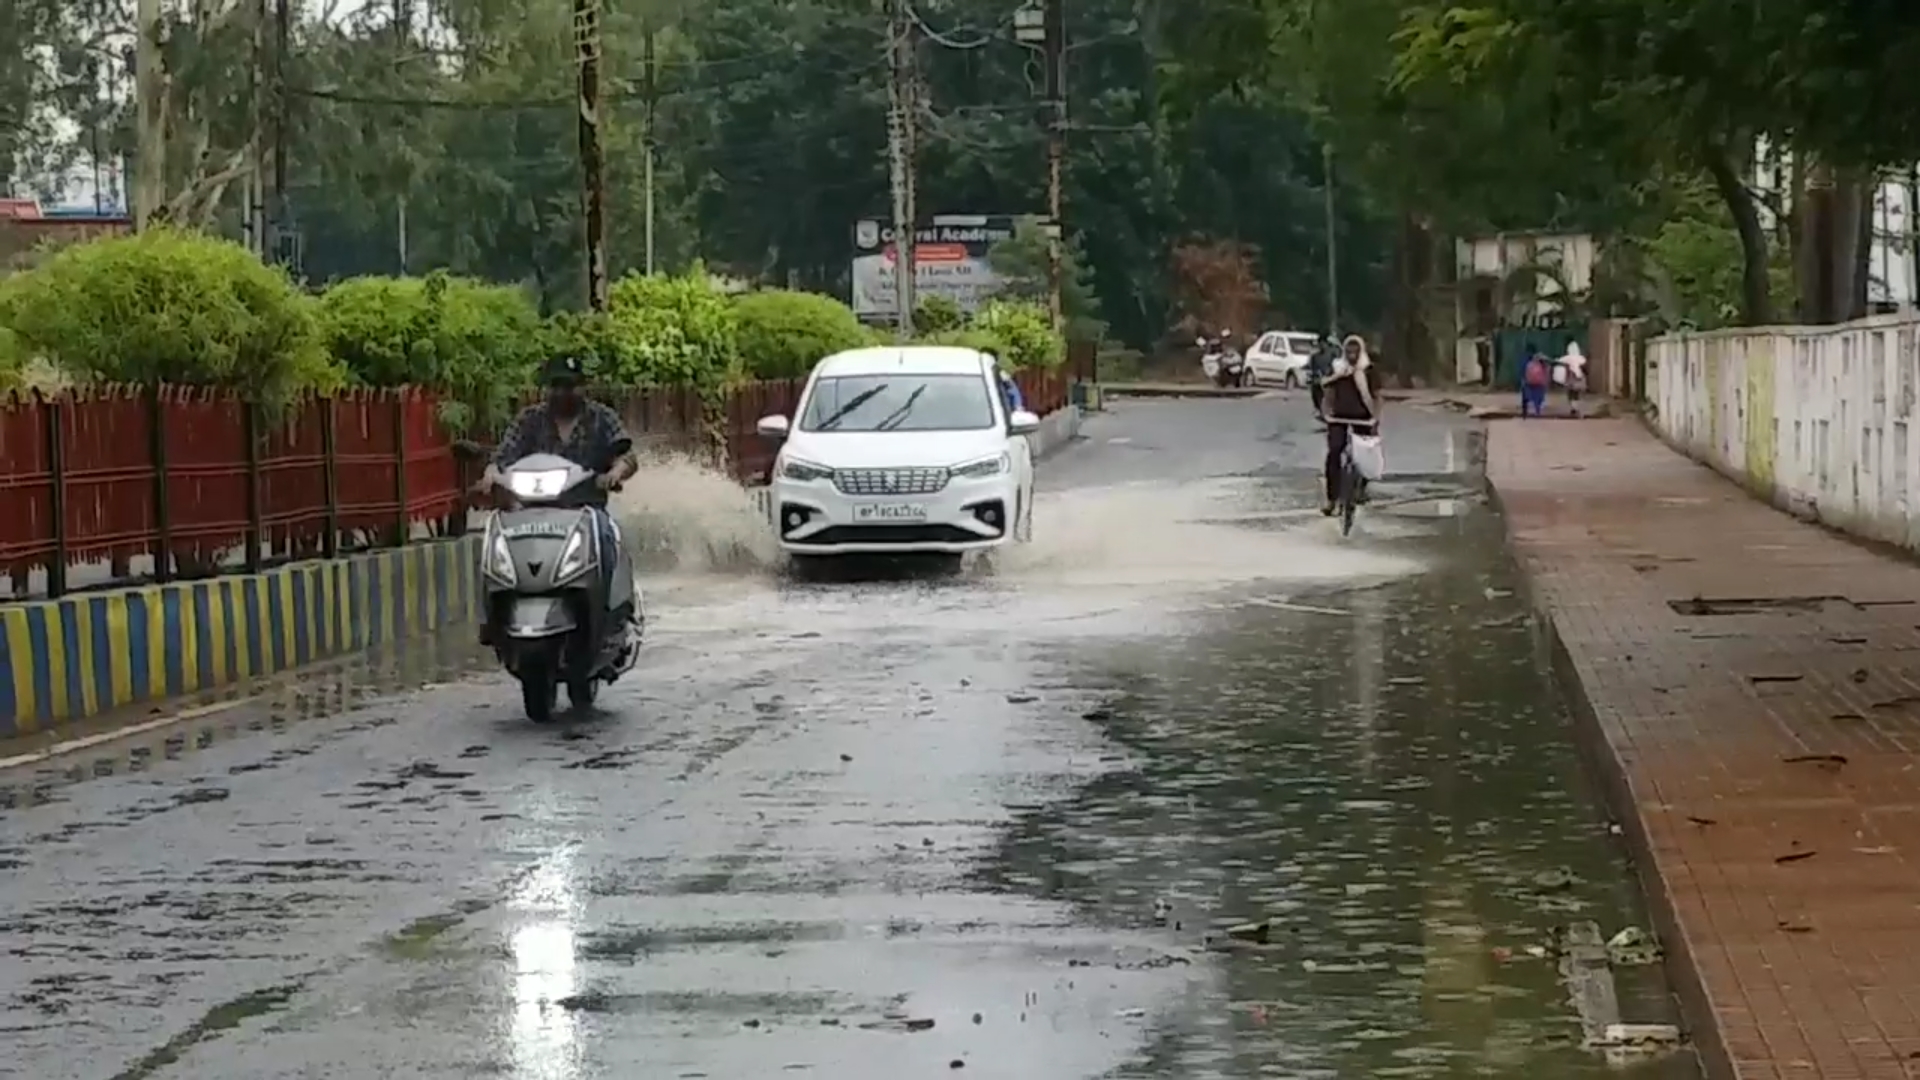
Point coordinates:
[[1856, 200], [1756, 290], [1407, 345]]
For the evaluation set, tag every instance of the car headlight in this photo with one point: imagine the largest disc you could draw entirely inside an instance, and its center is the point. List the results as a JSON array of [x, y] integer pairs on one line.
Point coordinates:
[[795, 469], [993, 466], [575, 557], [498, 560]]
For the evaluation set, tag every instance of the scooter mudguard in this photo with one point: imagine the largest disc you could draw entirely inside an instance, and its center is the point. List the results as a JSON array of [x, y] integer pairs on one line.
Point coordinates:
[[540, 617]]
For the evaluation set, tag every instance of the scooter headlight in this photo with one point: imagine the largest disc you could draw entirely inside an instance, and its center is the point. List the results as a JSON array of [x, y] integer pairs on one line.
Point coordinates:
[[575, 558], [498, 559]]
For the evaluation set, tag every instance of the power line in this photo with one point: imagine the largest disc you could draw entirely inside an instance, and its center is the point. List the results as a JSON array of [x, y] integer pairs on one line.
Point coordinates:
[[627, 95], [946, 41]]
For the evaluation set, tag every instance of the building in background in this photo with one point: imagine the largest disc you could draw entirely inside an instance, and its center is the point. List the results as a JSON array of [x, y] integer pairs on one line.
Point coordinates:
[[26, 226]]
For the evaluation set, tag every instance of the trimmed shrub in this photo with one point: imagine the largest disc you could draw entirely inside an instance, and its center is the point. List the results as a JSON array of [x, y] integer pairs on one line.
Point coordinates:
[[938, 315], [782, 334], [169, 306], [1022, 334], [670, 329], [478, 344], [965, 338]]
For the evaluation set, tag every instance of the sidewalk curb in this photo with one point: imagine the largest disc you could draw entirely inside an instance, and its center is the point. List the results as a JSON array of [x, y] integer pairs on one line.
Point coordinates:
[[83, 655], [1181, 390], [1701, 1031]]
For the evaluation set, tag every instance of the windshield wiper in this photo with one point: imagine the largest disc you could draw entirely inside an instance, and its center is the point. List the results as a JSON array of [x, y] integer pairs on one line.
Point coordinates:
[[853, 403], [899, 416]]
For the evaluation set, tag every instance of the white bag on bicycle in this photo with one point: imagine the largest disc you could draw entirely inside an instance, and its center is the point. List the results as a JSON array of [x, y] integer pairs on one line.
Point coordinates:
[[1369, 457]]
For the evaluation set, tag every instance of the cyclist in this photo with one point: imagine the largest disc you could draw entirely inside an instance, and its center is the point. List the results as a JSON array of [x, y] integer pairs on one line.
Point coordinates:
[[1350, 408]]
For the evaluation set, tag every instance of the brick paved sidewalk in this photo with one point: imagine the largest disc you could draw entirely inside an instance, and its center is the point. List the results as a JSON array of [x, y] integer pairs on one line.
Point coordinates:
[[1771, 754]]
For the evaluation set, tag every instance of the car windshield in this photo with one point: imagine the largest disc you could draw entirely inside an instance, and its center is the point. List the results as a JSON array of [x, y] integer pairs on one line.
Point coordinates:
[[1303, 343], [899, 402]]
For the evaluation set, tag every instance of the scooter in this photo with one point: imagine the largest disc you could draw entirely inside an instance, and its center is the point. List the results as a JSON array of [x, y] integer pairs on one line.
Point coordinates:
[[553, 616], [1223, 364]]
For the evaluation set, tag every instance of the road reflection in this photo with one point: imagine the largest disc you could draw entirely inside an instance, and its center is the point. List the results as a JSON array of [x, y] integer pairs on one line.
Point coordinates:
[[543, 1034]]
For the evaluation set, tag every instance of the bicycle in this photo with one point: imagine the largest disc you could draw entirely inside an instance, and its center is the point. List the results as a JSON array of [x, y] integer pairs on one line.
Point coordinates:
[[1347, 499]]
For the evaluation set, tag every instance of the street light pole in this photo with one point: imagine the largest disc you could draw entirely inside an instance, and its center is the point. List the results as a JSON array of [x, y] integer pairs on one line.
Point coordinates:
[[593, 174], [1333, 243], [1041, 25], [900, 105], [651, 93], [1056, 52]]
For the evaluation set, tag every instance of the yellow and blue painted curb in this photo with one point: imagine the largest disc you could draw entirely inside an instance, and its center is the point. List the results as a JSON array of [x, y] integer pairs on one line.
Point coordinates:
[[71, 658]]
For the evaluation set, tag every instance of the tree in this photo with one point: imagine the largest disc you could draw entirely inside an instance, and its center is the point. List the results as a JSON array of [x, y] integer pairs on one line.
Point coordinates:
[[1022, 261]]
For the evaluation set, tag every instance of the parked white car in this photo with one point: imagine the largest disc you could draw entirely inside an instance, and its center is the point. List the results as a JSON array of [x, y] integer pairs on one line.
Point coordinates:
[[1280, 357], [902, 449]]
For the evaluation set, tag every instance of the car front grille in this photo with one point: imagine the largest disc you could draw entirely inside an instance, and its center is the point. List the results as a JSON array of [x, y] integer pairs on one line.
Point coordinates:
[[890, 481], [893, 534]]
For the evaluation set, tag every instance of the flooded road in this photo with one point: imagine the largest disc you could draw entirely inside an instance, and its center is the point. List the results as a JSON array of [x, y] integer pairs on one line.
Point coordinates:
[[999, 825]]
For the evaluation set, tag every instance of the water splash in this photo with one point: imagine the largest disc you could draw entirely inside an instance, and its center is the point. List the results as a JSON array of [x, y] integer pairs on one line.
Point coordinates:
[[683, 516], [1154, 537]]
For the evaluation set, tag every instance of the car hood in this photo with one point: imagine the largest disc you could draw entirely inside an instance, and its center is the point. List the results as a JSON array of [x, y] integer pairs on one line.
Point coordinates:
[[898, 449]]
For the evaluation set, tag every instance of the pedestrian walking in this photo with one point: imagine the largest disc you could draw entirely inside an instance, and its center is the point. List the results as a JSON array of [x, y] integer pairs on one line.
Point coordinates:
[[1534, 380], [1571, 372]]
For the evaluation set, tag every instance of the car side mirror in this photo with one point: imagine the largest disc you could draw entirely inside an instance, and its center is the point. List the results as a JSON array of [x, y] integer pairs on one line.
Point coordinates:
[[773, 427], [1023, 422]]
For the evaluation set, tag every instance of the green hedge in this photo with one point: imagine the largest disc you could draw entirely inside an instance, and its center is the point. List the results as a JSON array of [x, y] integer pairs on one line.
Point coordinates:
[[783, 334], [671, 329], [481, 344], [167, 305], [186, 308], [1020, 335]]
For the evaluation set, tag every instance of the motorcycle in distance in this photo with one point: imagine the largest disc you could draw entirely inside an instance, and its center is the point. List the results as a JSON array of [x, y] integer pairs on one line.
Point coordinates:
[[1223, 364], [552, 616]]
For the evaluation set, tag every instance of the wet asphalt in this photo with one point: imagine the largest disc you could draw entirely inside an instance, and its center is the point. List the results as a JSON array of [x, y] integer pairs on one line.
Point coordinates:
[[882, 829]]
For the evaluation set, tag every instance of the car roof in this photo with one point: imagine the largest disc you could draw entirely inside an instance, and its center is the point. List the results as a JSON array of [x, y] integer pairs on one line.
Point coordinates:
[[904, 359]]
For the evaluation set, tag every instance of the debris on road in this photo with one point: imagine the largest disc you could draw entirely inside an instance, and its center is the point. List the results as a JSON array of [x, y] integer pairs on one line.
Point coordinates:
[[1658, 1035]]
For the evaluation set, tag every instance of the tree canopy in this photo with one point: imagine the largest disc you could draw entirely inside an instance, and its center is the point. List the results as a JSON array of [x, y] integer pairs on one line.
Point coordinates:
[[440, 135]]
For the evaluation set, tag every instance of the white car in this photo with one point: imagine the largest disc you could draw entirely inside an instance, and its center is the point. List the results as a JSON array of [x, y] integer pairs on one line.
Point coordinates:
[[1280, 358], [902, 449]]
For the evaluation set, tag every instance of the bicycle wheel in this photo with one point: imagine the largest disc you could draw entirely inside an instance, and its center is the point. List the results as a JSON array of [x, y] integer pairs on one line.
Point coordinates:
[[1349, 491]]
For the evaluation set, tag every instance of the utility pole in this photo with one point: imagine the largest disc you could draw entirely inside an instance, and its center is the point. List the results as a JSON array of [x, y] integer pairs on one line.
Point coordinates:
[[279, 229], [650, 95], [900, 103], [255, 187], [1913, 235], [593, 173], [1056, 80], [149, 185], [1333, 243]]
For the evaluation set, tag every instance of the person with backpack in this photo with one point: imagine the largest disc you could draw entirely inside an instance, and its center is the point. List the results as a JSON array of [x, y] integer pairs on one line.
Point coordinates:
[[1535, 377]]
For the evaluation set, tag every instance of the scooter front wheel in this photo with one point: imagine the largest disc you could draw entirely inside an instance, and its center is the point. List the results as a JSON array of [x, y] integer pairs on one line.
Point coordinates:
[[582, 691], [539, 691]]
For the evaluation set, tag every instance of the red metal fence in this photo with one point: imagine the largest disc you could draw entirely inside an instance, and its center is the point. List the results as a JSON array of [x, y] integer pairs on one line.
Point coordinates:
[[180, 482], [120, 483]]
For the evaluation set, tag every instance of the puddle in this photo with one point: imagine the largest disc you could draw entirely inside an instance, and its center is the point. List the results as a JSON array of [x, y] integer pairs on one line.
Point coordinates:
[[1387, 788]]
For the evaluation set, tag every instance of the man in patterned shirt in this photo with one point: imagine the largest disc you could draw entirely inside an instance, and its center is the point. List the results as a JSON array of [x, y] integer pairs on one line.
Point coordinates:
[[583, 431]]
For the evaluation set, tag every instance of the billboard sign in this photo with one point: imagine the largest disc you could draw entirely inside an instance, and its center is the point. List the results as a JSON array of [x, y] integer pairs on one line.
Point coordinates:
[[950, 260]]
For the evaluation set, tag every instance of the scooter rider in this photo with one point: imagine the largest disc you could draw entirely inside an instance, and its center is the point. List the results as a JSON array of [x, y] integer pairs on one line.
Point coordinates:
[[572, 426]]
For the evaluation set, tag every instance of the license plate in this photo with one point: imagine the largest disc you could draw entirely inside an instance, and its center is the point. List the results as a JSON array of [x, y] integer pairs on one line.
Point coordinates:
[[887, 513]]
